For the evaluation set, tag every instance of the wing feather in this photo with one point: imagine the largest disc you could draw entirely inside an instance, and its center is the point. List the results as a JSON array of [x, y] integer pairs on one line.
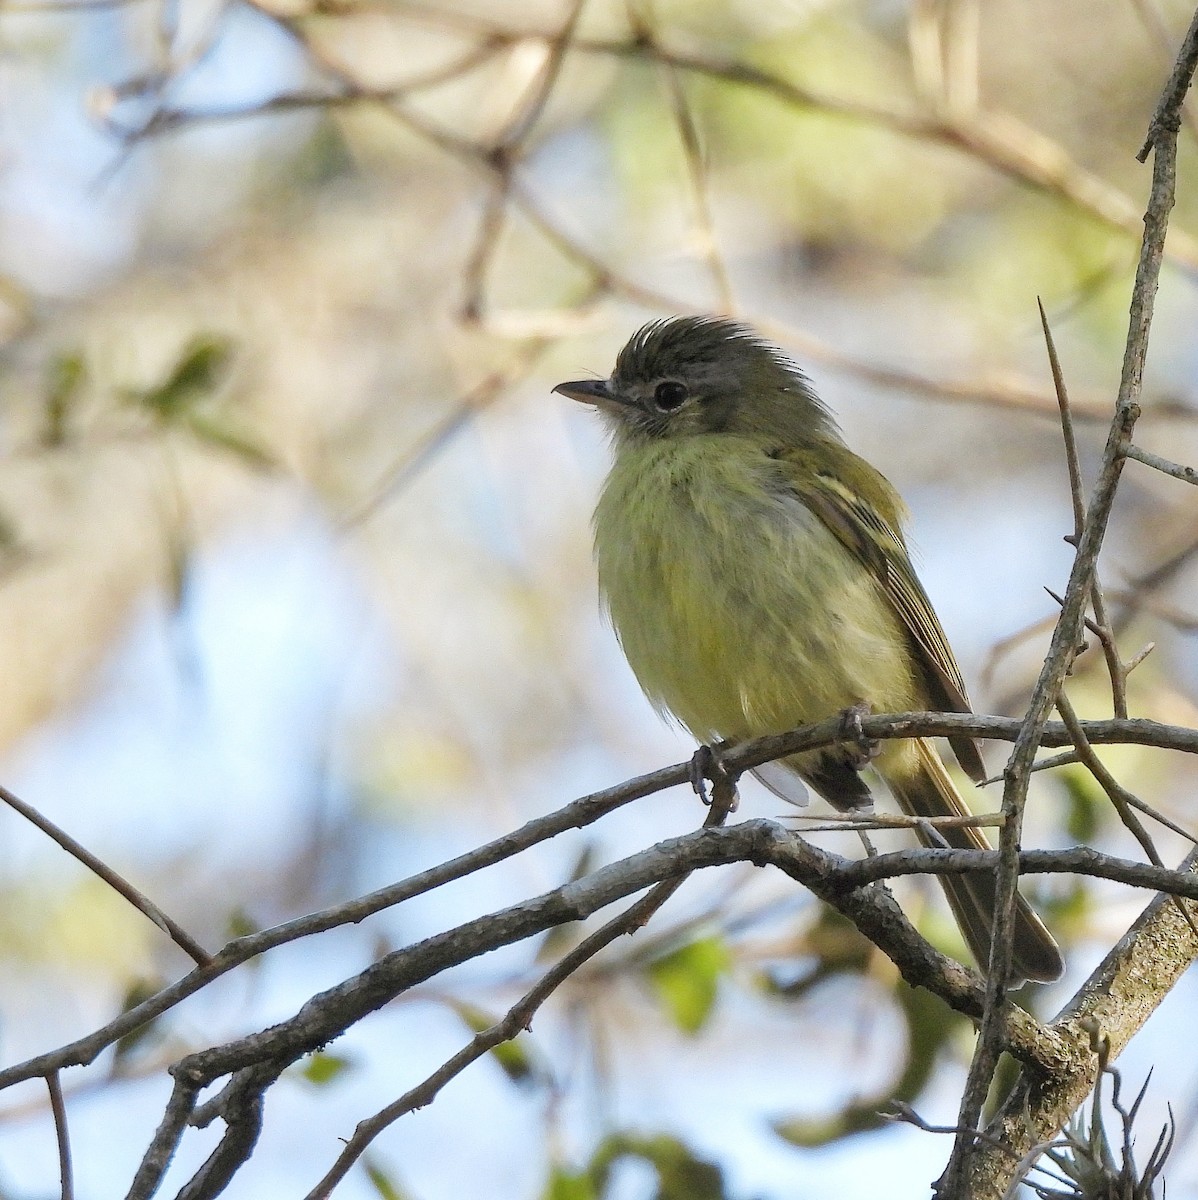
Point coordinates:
[[876, 540]]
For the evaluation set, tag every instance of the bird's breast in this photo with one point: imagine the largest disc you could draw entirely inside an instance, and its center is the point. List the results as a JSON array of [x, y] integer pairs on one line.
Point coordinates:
[[740, 612]]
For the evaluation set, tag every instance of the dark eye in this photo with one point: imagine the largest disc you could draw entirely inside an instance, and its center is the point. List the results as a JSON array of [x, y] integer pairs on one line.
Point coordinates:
[[670, 395]]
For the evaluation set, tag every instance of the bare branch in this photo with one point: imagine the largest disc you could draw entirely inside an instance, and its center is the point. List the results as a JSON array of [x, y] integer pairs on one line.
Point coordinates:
[[577, 815], [1124, 990], [1101, 625], [118, 883], [1185, 474], [517, 1018], [1163, 140], [59, 1109]]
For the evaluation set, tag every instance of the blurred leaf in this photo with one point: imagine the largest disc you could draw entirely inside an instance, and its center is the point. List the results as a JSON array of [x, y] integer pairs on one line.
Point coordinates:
[[1068, 905], [10, 540], [569, 1185], [514, 1057], [838, 946], [687, 980], [1087, 802], [1064, 250], [826, 181], [681, 1174], [321, 1069], [930, 1023], [138, 991], [380, 946], [196, 375], [67, 374], [323, 158], [239, 924], [177, 537], [383, 1184], [1006, 1074], [218, 432]]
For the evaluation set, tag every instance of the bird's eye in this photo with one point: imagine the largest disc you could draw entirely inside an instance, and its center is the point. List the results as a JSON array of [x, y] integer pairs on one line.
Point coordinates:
[[670, 395]]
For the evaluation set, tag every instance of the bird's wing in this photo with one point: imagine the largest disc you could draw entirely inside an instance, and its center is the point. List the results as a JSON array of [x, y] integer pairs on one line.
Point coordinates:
[[875, 539]]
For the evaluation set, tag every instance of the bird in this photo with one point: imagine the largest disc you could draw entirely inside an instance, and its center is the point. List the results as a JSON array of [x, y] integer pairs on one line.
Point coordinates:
[[757, 576]]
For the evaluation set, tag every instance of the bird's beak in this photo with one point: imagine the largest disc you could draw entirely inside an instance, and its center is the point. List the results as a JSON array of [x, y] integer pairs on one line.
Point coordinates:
[[588, 391]]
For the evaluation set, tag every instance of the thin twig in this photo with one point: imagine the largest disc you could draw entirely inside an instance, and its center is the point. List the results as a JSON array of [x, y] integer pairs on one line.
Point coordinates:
[[118, 883], [481, 397], [1121, 993], [521, 125], [1101, 624], [254, 1061], [1150, 15], [517, 1018], [828, 822], [1123, 801], [62, 1135], [1071, 457], [576, 815], [1163, 138], [645, 32], [1185, 474]]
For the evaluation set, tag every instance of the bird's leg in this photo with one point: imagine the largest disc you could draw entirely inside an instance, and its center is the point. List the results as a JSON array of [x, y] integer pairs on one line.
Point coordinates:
[[706, 765], [863, 750]]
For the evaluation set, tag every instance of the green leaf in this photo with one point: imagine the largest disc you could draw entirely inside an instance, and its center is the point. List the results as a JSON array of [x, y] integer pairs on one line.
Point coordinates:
[[687, 980], [67, 374], [383, 1184], [681, 1174], [324, 158], [569, 1185], [137, 991], [321, 1069], [196, 375], [219, 432], [1087, 802], [239, 924]]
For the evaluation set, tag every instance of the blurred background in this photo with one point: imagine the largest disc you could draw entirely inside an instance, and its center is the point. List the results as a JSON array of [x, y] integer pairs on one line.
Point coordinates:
[[296, 593]]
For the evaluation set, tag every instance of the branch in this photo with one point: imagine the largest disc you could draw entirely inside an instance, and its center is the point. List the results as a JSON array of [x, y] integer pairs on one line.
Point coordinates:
[[118, 883], [59, 1108], [578, 815], [256, 1061], [1122, 993], [519, 1016], [1185, 474], [1163, 139]]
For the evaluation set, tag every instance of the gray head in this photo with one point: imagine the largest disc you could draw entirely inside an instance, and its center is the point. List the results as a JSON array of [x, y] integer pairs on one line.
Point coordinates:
[[688, 376]]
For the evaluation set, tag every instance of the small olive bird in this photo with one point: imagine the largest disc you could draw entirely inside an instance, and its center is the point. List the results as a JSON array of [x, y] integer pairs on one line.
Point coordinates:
[[755, 572]]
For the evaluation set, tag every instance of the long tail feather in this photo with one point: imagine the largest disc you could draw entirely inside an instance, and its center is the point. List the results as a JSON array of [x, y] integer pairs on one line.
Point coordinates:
[[929, 792]]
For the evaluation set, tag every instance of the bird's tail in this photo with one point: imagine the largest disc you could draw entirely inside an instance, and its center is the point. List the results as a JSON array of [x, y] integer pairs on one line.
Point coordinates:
[[928, 791]]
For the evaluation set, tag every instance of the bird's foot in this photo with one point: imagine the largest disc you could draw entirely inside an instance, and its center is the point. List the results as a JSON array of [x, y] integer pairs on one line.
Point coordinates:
[[863, 750], [706, 765]]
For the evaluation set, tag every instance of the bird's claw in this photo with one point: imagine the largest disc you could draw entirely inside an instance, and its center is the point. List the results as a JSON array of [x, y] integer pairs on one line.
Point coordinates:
[[863, 750], [707, 765]]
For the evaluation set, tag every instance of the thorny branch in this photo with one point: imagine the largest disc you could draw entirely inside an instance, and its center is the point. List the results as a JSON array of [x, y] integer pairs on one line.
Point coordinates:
[[520, 1015], [254, 1062], [1162, 141]]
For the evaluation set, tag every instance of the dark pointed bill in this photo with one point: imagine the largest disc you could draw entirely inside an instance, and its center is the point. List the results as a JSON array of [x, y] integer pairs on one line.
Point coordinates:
[[588, 391]]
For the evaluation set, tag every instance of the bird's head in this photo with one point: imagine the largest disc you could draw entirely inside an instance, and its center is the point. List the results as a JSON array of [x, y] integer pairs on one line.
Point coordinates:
[[689, 376]]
